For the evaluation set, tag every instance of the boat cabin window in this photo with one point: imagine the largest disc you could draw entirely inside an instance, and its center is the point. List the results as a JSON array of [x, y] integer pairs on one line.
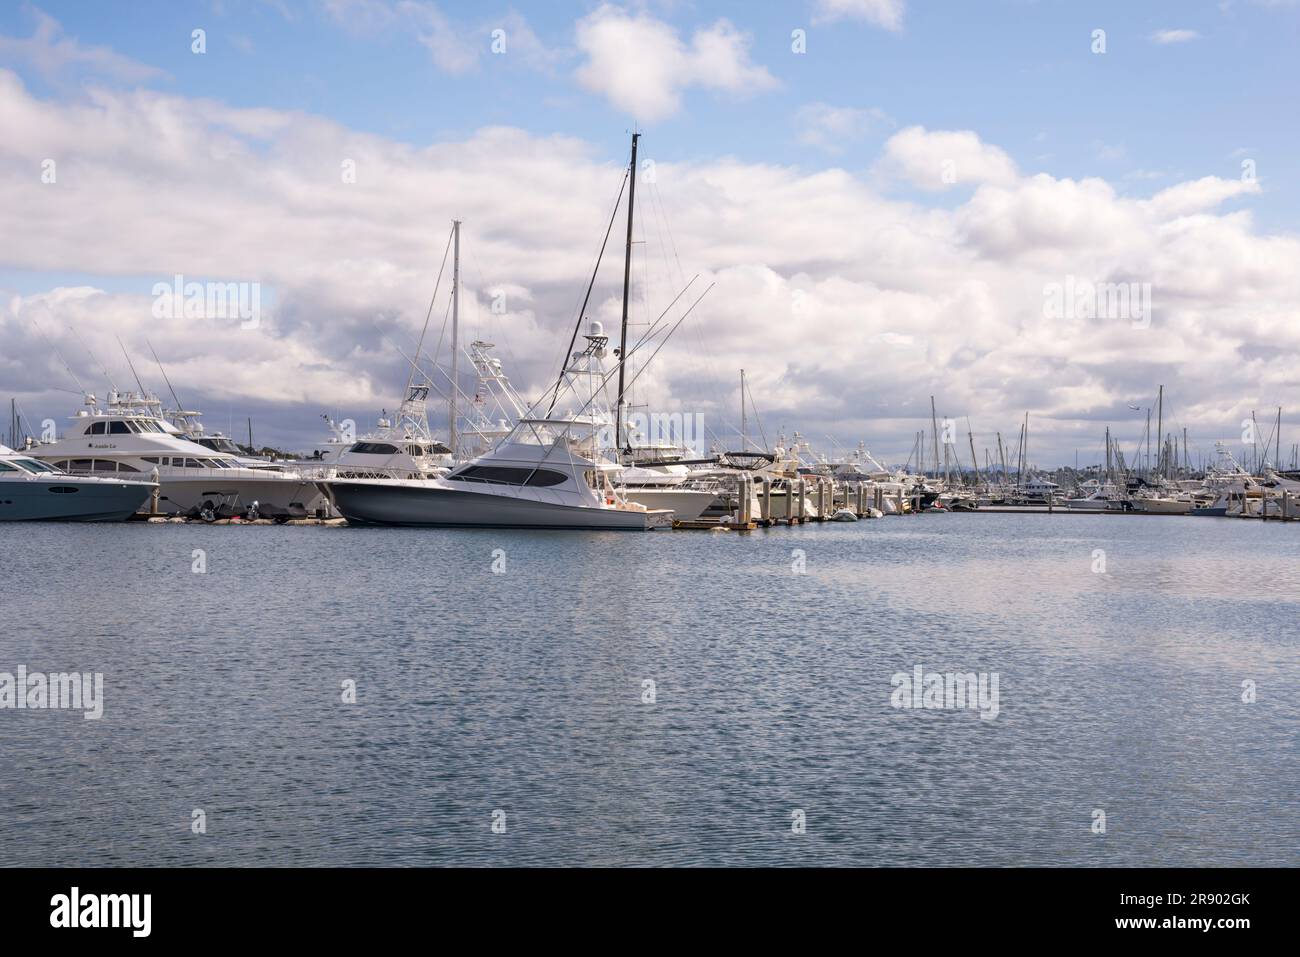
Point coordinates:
[[118, 428], [502, 475], [81, 465], [373, 448], [96, 428], [6, 467]]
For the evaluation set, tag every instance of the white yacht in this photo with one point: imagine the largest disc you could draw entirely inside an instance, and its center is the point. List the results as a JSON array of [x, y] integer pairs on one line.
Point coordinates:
[[129, 437], [549, 472], [1163, 502], [1038, 491], [32, 490], [403, 449], [657, 477], [1097, 497]]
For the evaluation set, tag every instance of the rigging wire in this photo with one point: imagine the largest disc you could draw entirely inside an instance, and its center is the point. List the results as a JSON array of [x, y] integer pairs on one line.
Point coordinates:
[[564, 362]]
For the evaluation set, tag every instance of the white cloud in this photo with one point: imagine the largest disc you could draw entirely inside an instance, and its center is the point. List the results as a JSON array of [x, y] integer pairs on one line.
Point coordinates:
[[1197, 196], [846, 308], [643, 67], [941, 159], [1174, 36], [51, 53], [883, 13], [833, 128]]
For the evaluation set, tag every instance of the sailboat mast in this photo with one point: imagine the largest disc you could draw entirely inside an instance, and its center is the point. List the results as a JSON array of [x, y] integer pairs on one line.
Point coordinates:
[[1002, 456], [934, 429], [1160, 429], [974, 461], [1277, 455], [1148, 443], [455, 336], [627, 288], [744, 426]]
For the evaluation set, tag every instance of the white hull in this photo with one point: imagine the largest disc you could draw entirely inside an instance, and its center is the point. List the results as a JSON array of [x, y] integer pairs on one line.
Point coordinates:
[[782, 502], [687, 504], [237, 487], [1091, 505], [433, 505], [1162, 506]]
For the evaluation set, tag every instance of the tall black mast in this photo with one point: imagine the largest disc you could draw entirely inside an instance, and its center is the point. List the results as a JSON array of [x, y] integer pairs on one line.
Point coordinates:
[[627, 285]]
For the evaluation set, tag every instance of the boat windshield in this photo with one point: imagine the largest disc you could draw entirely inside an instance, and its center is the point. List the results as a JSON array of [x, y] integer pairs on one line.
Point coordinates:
[[220, 444], [32, 465]]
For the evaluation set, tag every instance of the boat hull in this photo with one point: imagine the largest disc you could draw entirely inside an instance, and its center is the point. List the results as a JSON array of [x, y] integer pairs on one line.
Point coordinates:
[[1161, 506], [687, 505], [288, 497], [102, 500], [431, 506]]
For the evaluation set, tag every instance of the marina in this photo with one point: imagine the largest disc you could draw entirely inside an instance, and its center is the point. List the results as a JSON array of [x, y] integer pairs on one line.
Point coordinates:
[[572, 458]]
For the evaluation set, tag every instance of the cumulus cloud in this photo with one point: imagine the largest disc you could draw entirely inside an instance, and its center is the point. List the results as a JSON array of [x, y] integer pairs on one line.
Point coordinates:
[[642, 66], [883, 13], [941, 159], [846, 307], [1197, 196]]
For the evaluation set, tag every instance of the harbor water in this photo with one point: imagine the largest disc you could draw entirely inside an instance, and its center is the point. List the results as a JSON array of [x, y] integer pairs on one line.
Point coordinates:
[[683, 698]]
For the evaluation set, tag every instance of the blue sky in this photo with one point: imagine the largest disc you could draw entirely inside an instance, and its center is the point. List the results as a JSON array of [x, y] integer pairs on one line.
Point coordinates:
[[1020, 72], [804, 184]]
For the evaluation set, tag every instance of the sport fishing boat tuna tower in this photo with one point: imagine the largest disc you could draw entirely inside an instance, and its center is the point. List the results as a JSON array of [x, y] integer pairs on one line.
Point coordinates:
[[549, 472]]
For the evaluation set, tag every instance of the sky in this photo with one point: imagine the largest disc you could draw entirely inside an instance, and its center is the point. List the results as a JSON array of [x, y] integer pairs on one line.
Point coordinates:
[[888, 200]]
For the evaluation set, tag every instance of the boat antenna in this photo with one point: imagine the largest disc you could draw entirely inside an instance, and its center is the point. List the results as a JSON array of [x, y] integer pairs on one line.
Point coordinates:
[[175, 399], [627, 285]]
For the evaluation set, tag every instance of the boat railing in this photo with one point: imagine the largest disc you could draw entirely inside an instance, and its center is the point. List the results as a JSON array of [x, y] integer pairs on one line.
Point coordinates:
[[200, 472], [367, 472]]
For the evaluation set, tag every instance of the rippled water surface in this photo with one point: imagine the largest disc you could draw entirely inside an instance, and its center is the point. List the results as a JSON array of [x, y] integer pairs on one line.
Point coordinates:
[[522, 692]]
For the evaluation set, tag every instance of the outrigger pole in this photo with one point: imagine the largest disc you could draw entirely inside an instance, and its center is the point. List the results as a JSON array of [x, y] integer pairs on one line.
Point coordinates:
[[627, 285]]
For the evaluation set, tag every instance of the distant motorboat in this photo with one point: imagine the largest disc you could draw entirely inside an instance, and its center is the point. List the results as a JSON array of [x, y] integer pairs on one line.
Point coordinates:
[[1163, 505]]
